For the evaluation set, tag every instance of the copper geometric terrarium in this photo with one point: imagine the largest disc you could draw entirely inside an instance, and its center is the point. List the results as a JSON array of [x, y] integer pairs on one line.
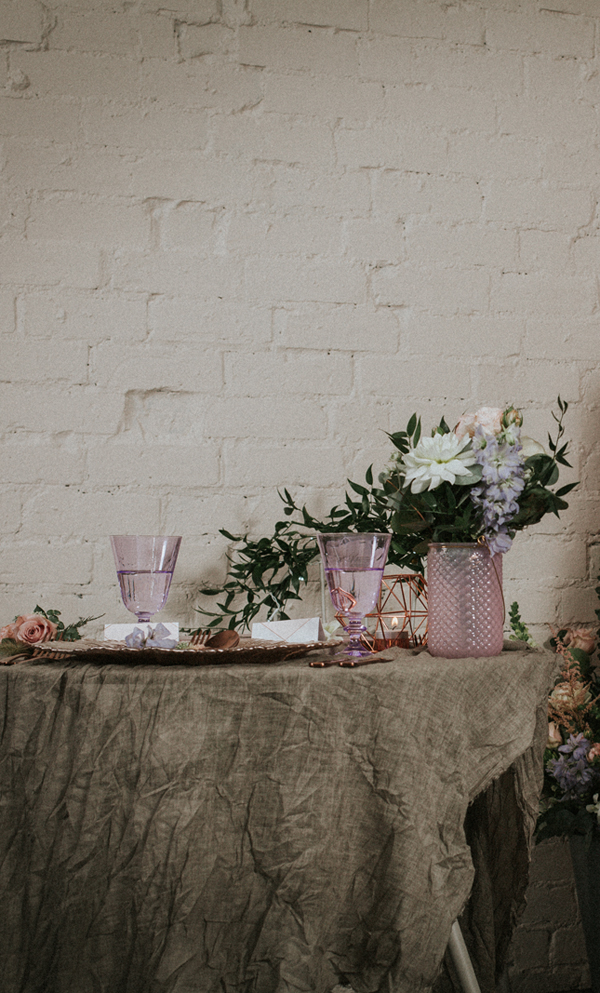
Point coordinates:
[[401, 615]]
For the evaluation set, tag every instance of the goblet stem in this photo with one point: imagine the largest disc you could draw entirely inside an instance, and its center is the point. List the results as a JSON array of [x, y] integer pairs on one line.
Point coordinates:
[[355, 630]]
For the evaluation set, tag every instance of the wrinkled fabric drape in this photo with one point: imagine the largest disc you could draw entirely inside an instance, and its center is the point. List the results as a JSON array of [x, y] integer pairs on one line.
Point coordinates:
[[260, 829]]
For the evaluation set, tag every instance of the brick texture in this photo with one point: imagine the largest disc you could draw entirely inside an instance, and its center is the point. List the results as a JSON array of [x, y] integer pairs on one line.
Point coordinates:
[[241, 241]]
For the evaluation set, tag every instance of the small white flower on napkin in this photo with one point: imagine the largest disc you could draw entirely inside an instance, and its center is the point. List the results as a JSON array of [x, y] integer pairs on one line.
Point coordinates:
[[157, 637]]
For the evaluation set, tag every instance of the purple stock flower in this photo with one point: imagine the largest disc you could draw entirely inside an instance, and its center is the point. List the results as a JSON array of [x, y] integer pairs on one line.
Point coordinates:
[[572, 771], [502, 482], [499, 543]]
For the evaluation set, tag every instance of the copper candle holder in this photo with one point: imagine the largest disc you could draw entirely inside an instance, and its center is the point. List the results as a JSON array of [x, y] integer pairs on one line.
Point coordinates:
[[401, 615]]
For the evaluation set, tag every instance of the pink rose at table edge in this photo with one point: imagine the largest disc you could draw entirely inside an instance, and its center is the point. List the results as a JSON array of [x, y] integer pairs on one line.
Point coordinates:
[[32, 629], [8, 631]]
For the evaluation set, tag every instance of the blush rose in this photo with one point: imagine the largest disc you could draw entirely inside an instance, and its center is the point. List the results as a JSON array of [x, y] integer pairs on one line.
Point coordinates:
[[489, 418], [32, 629]]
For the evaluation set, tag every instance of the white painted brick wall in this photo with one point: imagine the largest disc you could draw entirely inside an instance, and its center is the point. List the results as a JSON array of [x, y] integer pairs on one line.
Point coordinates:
[[240, 241], [247, 227]]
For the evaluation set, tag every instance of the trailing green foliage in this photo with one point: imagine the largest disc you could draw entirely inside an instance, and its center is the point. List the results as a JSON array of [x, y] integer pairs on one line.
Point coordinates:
[[268, 573]]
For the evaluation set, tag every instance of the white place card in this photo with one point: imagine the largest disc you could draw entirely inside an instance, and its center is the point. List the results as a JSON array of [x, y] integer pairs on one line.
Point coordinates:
[[295, 632], [118, 632]]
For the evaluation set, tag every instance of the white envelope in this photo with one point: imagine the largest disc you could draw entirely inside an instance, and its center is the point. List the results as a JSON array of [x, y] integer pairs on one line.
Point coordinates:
[[295, 632], [118, 632]]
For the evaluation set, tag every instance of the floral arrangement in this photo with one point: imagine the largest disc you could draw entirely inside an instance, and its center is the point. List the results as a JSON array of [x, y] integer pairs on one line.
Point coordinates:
[[481, 481], [571, 792], [19, 638]]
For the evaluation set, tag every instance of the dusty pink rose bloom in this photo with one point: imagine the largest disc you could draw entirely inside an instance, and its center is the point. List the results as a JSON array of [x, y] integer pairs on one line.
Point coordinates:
[[8, 631], [489, 418], [583, 638], [594, 752], [554, 736], [33, 628]]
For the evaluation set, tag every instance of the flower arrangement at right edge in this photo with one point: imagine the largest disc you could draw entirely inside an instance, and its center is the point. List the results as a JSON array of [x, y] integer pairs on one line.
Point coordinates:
[[571, 793], [461, 496], [570, 801]]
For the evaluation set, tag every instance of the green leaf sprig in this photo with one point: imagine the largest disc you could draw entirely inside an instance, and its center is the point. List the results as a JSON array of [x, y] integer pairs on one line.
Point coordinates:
[[520, 631], [65, 632]]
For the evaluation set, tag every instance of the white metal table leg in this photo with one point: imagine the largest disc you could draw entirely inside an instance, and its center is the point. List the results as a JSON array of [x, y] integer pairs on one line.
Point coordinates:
[[462, 962]]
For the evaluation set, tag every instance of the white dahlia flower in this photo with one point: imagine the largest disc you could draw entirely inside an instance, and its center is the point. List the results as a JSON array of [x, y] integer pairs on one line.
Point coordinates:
[[436, 460]]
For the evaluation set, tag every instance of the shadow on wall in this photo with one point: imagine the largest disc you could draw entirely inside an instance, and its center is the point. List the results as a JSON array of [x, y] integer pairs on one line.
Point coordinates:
[[548, 953]]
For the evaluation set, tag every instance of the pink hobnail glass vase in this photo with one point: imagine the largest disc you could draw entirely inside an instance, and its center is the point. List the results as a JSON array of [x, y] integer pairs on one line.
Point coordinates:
[[465, 601]]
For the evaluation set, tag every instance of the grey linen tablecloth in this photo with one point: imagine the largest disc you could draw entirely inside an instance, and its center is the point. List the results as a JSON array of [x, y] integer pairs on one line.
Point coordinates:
[[262, 829]]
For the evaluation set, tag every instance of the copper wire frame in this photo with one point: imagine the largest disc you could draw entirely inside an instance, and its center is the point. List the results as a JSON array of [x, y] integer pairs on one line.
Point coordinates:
[[401, 615]]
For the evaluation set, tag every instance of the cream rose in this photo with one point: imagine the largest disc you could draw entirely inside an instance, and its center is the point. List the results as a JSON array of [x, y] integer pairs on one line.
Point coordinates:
[[488, 418], [33, 629], [573, 694]]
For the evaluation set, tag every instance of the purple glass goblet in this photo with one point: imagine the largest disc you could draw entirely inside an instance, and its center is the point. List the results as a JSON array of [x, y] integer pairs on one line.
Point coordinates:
[[145, 565], [353, 565]]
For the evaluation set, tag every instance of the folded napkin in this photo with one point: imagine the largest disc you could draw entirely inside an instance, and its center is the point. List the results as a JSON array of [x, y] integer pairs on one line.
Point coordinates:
[[157, 637], [294, 632], [119, 632]]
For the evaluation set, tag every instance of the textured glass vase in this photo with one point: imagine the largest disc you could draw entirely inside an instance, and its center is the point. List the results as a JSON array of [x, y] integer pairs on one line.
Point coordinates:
[[466, 606]]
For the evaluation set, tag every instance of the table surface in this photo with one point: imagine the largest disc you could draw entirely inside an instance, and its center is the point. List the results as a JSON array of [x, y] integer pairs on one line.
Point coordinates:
[[251, 829]]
